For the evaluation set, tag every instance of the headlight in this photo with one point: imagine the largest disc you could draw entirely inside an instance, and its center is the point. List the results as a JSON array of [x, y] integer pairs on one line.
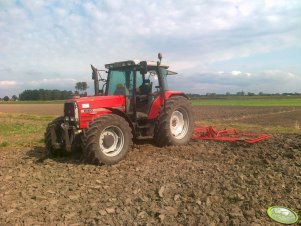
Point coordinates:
[[76, 117]]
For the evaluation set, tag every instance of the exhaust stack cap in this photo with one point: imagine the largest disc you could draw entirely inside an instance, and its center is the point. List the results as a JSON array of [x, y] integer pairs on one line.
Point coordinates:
[[160, 56]]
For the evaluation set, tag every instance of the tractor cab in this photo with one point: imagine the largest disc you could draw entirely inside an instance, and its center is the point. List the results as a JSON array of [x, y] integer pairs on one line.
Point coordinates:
[[139, 82]]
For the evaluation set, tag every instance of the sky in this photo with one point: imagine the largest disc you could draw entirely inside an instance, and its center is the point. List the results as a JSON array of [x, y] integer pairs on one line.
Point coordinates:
[[216, 46]]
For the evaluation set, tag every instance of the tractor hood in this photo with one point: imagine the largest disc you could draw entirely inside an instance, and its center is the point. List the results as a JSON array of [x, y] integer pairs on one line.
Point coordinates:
[[88, 108], [97, 102]]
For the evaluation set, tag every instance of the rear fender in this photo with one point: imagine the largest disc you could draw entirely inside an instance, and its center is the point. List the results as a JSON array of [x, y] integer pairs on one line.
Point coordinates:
[[159, 101]]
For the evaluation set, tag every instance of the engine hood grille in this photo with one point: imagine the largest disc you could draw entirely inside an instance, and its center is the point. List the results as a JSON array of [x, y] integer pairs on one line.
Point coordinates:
[[69, 109]]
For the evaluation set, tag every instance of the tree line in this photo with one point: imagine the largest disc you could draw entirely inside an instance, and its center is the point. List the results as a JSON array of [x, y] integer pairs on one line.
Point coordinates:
[[6, 98], [45, 94]]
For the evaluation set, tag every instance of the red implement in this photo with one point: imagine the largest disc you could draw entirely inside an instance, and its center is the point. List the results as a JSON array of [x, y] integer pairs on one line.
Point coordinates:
[[231, 134]]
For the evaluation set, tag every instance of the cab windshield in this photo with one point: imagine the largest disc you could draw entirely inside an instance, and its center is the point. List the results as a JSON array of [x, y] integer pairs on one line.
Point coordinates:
[[120, 81]]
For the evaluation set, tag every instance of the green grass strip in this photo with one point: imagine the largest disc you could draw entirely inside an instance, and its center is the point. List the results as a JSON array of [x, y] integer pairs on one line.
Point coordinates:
[[281, 102]]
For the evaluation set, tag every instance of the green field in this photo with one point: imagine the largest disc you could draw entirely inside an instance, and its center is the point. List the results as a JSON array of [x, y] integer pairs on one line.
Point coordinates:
[[22, 130], [249, 101]]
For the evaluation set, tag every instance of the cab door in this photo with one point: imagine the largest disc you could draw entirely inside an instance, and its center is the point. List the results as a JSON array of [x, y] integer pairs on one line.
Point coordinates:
[[121, 83]]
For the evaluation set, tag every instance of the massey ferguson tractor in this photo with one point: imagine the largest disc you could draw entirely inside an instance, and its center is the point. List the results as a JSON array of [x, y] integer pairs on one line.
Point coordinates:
[[128, 107]]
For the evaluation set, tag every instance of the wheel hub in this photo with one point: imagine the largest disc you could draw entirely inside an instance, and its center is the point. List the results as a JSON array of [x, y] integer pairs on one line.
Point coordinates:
[[108, 141], [179, 123], [111, 141]]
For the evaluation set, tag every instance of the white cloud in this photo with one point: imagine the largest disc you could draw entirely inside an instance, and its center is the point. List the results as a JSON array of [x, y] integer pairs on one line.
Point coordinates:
[[56, 81], [7, 84], [235, 73]]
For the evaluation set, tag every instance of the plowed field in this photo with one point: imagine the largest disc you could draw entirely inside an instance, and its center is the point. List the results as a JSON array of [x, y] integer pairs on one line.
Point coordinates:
[[202, 183]]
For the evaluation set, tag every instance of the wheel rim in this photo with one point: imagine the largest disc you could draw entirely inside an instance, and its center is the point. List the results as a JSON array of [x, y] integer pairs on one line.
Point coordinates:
[[111, 141], [179, 123]]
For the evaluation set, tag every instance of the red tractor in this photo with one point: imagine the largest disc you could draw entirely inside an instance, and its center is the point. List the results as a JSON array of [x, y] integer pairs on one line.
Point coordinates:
[[129, 105]]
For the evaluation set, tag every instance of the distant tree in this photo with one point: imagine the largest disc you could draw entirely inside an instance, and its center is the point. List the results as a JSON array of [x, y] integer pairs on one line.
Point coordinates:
[[251, 94], [81, 87], [211, 94], [193, 95], [78, 87], [242, 93], [228, 94], [6, 98], [84, 86], [14, 97]]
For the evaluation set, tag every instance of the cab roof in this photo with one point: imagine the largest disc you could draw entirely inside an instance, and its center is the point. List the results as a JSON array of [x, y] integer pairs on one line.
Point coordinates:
[[132, 63]]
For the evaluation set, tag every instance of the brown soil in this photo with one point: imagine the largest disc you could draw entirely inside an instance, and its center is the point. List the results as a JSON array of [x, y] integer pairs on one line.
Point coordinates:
[[270, 116], [38, 109], [202, 183]]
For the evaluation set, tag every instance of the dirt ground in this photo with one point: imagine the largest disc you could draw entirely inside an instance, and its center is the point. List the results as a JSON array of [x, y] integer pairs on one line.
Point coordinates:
[[37, 109], [202, 183], [263, 116]]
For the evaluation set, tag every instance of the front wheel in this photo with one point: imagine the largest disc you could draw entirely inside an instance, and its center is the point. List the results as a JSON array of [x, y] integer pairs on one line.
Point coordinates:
[[108, 139], [175, 122], [50, 150]]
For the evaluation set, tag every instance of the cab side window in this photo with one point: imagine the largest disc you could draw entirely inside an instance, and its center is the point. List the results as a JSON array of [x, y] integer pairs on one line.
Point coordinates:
[[139, 80]]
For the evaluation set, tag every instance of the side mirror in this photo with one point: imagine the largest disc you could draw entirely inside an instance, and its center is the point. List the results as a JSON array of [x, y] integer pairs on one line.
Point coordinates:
[[143, 67]]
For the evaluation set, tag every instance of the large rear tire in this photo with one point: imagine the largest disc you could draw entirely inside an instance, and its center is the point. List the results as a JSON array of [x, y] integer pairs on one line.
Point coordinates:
[[50, 150], [174, 125], [107, 140]]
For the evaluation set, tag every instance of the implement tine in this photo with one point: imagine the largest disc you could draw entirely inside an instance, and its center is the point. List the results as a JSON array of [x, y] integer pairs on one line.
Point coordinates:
[[230, 134]]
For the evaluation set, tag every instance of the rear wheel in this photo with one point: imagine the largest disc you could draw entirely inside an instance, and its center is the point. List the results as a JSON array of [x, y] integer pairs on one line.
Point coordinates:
[[175, 122], [107, 140]]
